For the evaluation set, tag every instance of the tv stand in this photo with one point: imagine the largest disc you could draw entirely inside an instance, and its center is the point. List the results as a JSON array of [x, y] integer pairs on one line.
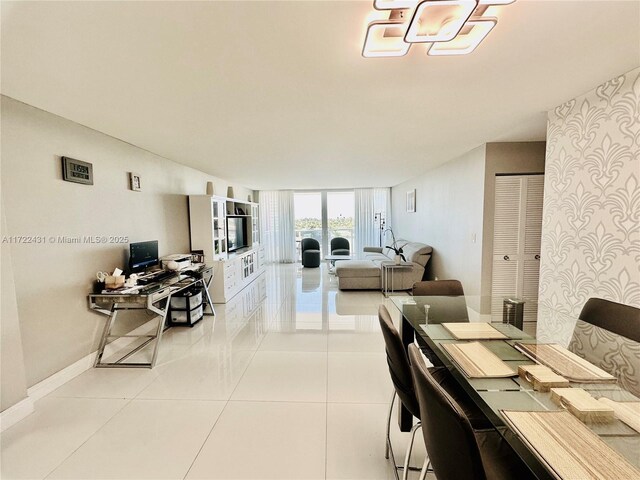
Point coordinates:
[[232, 271]]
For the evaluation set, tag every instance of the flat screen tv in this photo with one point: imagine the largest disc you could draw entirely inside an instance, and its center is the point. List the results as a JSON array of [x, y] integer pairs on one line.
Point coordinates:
[[236, 233], [143, 255]]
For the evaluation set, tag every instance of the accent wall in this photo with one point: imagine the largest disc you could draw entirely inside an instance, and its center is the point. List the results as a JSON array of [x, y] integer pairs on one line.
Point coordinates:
[[591, 219]]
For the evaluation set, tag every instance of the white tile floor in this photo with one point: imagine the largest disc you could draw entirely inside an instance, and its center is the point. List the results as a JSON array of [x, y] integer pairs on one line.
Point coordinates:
[[292, 386]]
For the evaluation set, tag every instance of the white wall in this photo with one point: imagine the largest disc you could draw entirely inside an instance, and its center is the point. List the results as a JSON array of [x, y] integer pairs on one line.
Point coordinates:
[[591, 220], [455, 209], [14, 383], [449, 212], [52, 280]]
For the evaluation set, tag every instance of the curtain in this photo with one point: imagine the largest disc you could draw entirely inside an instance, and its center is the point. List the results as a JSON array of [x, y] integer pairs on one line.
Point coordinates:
[[277, 226], [368, 203]]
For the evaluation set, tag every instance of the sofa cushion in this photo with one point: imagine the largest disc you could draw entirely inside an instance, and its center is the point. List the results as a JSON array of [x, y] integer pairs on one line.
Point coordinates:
[[376, 257], [357, 268], [417, 252]]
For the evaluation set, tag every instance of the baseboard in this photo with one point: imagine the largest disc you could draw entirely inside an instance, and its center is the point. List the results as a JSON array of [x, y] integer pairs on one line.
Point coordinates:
[[49, 384], [25, 407], [15, 413]]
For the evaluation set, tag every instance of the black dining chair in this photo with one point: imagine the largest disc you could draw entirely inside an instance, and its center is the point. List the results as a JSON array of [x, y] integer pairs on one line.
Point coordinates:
[[456, 450], [438, 288], [402, 384], [615, 317], [617, 330], [310, 249], [453, 310], [340, 246]]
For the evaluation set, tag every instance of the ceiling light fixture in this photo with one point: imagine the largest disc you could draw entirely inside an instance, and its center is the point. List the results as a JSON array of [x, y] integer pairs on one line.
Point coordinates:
[[439, 20], [385, 39], [495, 2], [394, 4], [466, 42], [448, 27]]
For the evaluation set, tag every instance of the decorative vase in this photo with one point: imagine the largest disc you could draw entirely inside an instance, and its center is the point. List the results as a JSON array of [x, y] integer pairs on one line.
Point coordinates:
[[210, 189], [398, 258], [249, 199], [230, 192]]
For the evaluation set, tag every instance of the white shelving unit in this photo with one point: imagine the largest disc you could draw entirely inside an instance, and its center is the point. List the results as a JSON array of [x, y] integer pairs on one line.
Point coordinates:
[[208, 226]]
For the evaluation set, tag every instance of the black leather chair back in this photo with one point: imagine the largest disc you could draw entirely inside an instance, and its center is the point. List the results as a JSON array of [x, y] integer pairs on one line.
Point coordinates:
[[617, 318], [398, 363], [438, 288], [448, 435], [309, 244], [340, 246]]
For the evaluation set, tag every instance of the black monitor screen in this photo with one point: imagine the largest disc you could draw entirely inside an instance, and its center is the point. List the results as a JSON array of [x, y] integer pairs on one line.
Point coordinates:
[[143, 255]]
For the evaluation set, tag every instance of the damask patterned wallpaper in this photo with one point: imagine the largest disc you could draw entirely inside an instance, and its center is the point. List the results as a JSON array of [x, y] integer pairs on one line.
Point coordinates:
[[591, 219]]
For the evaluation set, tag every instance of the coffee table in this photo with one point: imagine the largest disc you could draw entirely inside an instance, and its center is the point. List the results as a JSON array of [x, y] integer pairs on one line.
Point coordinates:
[[332, 259]]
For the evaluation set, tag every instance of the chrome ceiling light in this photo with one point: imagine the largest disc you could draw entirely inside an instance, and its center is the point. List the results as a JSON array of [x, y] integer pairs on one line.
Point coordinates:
[[446, 27]]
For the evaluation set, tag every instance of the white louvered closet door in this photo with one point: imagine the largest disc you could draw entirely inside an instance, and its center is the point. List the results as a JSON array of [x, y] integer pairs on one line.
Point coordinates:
[[516, 242]]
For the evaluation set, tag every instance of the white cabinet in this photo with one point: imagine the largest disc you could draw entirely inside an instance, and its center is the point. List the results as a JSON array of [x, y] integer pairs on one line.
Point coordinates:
[[208, 228], [209, 233], [255, 224]]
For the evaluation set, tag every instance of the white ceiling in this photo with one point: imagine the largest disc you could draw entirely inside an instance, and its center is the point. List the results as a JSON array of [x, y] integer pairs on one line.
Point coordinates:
[[275, 94]]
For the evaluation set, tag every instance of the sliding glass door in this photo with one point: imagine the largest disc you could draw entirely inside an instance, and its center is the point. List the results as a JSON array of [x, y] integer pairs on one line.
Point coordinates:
[[324, 215], [308, 214], [340, 214]]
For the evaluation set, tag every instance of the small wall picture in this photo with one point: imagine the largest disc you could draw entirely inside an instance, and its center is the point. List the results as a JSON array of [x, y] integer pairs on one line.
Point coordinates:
[[411, 201], [135, 182]]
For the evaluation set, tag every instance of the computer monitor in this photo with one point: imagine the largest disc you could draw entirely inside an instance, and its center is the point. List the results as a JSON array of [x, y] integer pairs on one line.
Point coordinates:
[[143, 255]]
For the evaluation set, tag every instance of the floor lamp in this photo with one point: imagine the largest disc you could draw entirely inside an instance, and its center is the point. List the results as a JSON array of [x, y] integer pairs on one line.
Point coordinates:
[[379, 218]]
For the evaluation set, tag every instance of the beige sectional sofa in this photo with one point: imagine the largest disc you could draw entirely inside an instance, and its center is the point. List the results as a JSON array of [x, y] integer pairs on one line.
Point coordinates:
[[365, 274]]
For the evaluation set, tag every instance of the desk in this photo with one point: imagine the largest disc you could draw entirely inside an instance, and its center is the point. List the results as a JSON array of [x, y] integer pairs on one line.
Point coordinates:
[[492, 395], [155, 298]]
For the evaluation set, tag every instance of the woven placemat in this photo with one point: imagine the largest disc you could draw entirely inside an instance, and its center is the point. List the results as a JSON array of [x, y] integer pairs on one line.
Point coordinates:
[[628, 412], [474, 331], [568, 447], [565, 363], [476, 361]]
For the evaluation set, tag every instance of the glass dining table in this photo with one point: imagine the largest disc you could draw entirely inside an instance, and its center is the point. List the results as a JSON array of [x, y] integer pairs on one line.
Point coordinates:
[[422, 319]]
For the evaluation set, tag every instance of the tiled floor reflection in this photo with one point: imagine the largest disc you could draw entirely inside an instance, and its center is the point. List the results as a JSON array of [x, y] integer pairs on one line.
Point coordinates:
[[288, 381]]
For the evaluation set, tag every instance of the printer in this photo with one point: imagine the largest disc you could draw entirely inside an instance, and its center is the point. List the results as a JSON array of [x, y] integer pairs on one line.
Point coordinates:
[[183, 260]]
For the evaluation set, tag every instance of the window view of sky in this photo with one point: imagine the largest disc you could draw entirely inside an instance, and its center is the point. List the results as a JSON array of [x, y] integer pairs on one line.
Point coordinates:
[[307, 205]]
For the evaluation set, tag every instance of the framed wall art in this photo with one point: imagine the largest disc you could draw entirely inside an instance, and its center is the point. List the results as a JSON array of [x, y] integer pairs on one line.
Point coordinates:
[[134, 182], [411, 201]]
